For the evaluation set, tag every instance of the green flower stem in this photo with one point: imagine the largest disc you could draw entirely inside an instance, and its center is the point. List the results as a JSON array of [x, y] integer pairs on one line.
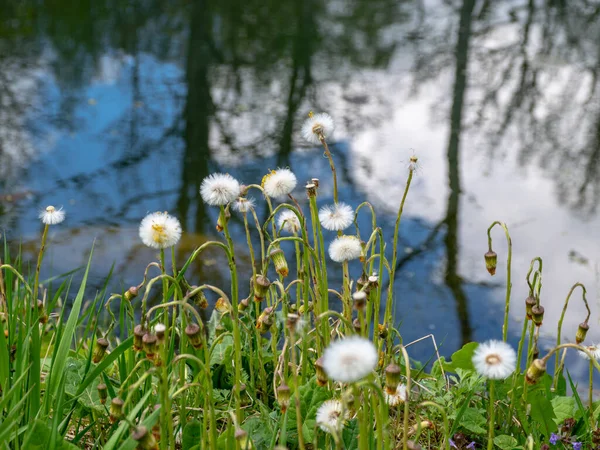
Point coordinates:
[[445, 421], [322, 264], [408, 390], [167, 434], [508, 273], [492, 417], [346, 292], [560, 322], [332, 166], [363, 421], [296, 390], [518, 368], [590, 396]]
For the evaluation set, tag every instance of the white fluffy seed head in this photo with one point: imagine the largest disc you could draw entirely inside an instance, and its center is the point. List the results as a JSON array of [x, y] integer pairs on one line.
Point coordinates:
[[336, 217], [594, 349], [219, 189], [288, 221], [52, 216], [279, 183], [329, 416], [495, 360], [396, 398], [160, 230], [315, 125], [345, 248], [350, 359], [244, 204]]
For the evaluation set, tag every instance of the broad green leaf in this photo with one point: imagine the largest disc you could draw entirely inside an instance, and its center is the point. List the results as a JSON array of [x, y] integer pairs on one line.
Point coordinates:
[[192, 435], [260, 431], [542, 412], [563, 408], [462, 359], [311, 397], [506, 442], [350, 435], [222, 351], [474, 421]]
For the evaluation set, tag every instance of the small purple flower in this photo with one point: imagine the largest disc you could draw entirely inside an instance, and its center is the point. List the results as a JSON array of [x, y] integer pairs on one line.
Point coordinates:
[[554, 438], [577, 446], [471, 446], [452, 444]]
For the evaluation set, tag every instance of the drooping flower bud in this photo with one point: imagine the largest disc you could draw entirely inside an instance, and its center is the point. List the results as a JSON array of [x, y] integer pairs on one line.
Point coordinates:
[[100, 347], [537, 315], [304, 308], [283, 396], [131, 293], [261, 287], [150, 345], [362, 281], [222, 306], [194, 334], [102, 392], [243, 304], [320, 371], [279, 261], [383, 332], [529, 304], [356, 325], [138, 335], [491, 260], [535, 371], [144, 438], [199, 298], [392, 378], [265, 320], [360, 300], [581, 332], [116, 409], [242, 437]]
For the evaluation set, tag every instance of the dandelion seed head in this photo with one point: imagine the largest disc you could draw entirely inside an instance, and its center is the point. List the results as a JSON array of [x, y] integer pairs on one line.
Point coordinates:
[[160, 230], [52, 216], [279, 183], [328, 414], [495, 360], [218, 189], [350, 359], [336, 217], [345, 248], [594, 349], [288, 221], [244, 204], [315, 125], [397, 397]]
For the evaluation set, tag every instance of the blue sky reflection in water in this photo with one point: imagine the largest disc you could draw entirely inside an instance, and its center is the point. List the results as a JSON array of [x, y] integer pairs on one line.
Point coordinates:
[[113, 113]]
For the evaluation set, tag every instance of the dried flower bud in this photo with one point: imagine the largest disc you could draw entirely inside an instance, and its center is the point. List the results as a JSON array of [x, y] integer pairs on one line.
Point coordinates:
[[42, 316], [242, 437], [392, 378], [373, 281], [100, 347], [537, 315], [536, 370], [159, 330], [292, 322], [491, 260], [199, 298], [360, 300], [116, 409], [150, 345], [304, 308], [311, 190], [383, 332], [222, 306], [283, 396], [138, 335], [144, 438], [194, 334], [265, 320], [281, 265], [261, 287], [320, 371], [131, 293], [362, 281], [315, 181], [220, 329], [243, 304], [356, 325], [529, 304], [581, 332], [219, 225], [102, 392]]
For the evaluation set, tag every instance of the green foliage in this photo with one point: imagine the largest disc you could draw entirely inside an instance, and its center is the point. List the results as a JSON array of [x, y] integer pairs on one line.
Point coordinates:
[[311, 397]]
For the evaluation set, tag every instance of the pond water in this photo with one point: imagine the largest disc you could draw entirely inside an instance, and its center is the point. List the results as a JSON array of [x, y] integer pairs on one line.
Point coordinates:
[[114, 109]]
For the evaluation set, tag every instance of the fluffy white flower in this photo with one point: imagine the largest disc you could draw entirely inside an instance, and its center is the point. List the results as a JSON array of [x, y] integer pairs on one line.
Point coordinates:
[[336, 217], [328, 414], [495, 360], [52, 216], [244, 204], [350, 359], [160, 230], [288, 221], [594, 349], [398, 397], [279, 183], [345, 248], [316, 124], [219, 189]]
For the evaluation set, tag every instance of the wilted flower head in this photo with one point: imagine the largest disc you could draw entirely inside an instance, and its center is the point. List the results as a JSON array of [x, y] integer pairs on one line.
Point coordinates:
[[345, 248], [594, 349], [279, 183], [244, 204], [219, 189], [398, 397], [336, 217], [328, 414], [317, 125], [349, 359], [288, 221], [52, 216], [495, 360], [160, 230]]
